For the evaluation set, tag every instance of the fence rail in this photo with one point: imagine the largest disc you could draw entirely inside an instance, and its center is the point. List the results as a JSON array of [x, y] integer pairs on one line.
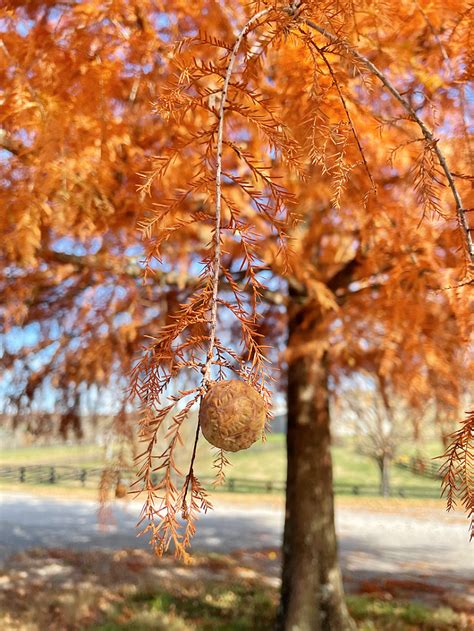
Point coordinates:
[[65, 475], [420, 466], [46, 474]]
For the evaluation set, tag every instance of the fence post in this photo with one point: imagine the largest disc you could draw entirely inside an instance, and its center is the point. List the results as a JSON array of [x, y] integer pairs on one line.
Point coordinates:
[[231, 485], [22, 474], [355, 490], [52, 475], [269, 487], [83, 477]]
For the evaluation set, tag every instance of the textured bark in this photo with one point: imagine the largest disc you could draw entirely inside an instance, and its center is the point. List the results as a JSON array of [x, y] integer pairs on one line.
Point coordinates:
[[312, 597]]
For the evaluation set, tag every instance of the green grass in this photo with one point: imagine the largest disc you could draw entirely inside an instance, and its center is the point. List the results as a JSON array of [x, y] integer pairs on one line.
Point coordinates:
[[246, 607], [264, 461], [267, 461], [375, 613], [238, 607], [81, 455], [430, 449], [353, 468]]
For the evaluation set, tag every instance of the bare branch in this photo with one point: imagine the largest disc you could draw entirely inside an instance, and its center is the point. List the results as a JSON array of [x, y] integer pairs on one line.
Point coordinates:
[[170, 279]]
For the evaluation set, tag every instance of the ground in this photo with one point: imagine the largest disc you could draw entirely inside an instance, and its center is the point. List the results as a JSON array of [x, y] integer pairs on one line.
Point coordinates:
[[129, 590], [386, 548], [407, 565]]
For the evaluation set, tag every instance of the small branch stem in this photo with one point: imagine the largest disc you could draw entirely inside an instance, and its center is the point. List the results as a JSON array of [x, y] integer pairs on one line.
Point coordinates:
[[348, 115], [191, 466]]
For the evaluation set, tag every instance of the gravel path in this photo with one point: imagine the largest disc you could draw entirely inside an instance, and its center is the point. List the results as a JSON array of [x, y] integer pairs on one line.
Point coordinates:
[[427, 546]]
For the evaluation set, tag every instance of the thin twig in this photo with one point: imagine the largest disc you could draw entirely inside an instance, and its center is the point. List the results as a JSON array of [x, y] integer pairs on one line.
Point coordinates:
[[348, 115], [190, 471]]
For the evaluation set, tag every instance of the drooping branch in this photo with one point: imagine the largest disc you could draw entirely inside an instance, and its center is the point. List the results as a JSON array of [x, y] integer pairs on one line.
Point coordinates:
[[458, 470], [216, 265], [348, 115], [218, 188], [427, 133]]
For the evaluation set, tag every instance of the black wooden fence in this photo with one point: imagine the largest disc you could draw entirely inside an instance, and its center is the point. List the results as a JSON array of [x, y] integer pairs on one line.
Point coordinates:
[[46, 474], [420, 466], [67, 475]]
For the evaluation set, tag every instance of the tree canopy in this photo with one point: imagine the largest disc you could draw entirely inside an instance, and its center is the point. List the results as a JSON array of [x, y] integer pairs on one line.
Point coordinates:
[[341, 136]]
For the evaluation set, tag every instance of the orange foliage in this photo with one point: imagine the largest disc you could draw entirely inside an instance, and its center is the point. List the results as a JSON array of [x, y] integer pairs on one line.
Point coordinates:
[[338, 160]]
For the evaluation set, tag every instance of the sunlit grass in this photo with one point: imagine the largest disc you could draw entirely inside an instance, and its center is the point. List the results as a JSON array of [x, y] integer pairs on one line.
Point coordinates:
[[376, 613], [245, 607], [267, 461], [263, 461], [83, 455]]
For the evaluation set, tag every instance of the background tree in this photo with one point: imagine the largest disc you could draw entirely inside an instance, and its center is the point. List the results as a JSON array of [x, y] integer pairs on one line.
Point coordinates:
[[379, 425], [341, 224]]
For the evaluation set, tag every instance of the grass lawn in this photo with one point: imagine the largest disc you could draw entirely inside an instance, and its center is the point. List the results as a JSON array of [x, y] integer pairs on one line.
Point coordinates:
[[263, 461], [80, 455], [131, 590], [267, 461], [240, 607]]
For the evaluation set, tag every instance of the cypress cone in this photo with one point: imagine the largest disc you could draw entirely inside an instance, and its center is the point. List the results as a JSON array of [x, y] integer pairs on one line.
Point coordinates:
[[232, 415]]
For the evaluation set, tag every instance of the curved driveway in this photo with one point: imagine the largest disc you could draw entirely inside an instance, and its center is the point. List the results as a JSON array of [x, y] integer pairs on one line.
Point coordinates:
[[429, 546]]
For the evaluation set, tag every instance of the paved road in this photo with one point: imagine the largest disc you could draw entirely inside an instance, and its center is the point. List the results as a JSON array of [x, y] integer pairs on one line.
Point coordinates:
[[373, 544]]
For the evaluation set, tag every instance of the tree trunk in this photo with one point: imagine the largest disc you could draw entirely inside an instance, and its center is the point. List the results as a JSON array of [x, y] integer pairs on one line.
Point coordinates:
[[312, 597], [384, 467]]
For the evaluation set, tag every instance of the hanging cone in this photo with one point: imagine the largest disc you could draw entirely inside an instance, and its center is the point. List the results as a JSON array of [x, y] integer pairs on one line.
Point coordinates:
[[232, 415]]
